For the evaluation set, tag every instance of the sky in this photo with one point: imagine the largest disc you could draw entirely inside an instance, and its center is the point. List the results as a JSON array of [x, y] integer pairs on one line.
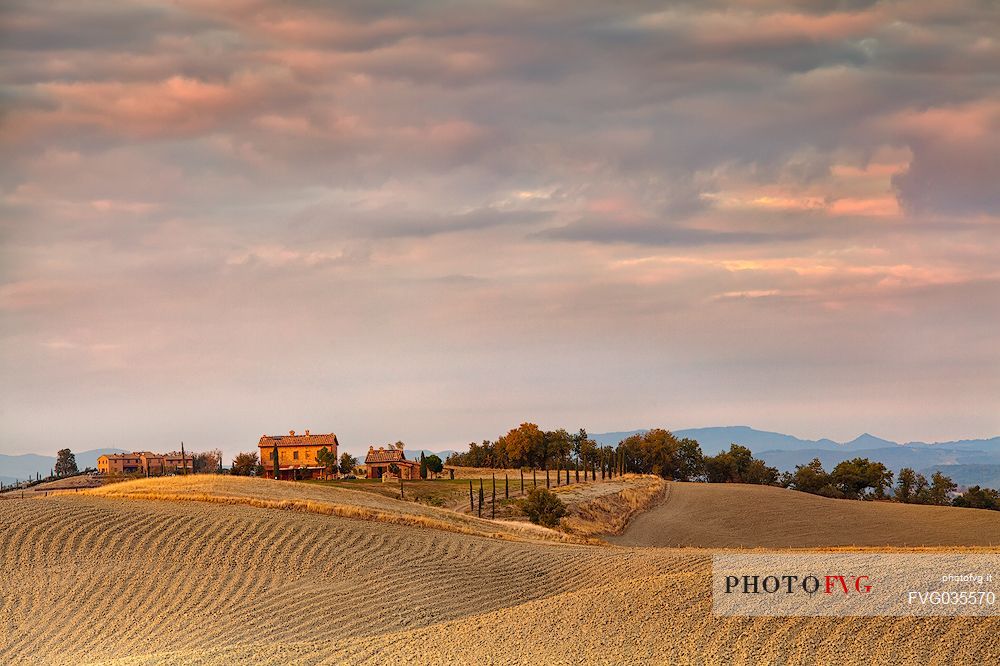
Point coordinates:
[[431, 221]]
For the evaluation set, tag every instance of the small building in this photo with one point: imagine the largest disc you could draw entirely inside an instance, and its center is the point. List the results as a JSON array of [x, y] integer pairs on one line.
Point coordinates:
[[296, 454], [378, 460], [145, 463], [158, 464]]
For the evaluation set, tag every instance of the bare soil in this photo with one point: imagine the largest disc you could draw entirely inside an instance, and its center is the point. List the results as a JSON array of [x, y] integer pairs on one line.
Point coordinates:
[[168, 573], [716, 515]]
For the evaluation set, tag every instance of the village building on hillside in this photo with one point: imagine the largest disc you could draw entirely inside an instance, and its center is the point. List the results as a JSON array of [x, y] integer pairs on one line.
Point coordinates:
[[378, 460], [296, 454], [145, 463]]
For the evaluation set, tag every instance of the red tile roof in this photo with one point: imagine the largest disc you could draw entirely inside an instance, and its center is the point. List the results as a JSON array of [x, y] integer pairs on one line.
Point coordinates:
[[384, 456], [268, 441]]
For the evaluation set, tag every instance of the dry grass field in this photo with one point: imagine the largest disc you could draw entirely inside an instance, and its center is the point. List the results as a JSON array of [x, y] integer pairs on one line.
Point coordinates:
[[743, 516], [232, 571]]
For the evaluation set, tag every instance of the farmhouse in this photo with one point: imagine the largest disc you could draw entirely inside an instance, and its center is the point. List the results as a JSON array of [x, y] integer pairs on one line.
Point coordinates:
[[296, 454], [378, 461], [145, 463]]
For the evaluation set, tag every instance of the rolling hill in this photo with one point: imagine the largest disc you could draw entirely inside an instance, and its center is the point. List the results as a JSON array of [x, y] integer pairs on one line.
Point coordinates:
[[731, 515], [128, 576]]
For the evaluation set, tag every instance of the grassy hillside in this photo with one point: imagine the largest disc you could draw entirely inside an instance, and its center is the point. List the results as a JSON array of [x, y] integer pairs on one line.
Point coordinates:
[[107, 578], [736, 515]]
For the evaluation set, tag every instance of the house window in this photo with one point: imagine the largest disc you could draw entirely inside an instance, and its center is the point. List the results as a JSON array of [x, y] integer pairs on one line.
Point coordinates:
[[295, 455]]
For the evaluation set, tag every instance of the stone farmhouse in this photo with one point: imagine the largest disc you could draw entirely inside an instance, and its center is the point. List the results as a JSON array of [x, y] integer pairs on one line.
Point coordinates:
[[144, 463], [296, 454], [378, 460]]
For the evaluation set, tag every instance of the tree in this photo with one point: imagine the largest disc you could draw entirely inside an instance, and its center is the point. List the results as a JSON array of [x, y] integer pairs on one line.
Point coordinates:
[[906, 485], [245, 464], [347, 463], [921, 490], [207, 461], [978, 498], [394, 469], [811, 478], [434, 464], [65, 463], [854, 477], [659, 452], [941, 486], [543, 507], [423, 466], [327, 459], [737, 465]]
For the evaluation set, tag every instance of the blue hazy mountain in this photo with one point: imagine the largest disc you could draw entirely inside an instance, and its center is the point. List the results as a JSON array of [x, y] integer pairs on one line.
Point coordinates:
[[415, 454], [716, 439], [974, 460], [29, 464]]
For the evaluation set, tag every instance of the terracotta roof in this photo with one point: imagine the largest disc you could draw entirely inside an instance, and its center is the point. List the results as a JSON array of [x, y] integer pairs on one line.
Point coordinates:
[[291, 439], [381, 455]]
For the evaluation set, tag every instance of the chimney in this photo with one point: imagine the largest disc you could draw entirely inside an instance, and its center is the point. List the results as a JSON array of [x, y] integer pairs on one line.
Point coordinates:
[[291, 433], [307, 432]]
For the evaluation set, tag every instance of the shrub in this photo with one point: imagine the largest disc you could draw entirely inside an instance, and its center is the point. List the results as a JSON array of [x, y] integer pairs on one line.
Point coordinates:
[[245, 464], [543, 507]]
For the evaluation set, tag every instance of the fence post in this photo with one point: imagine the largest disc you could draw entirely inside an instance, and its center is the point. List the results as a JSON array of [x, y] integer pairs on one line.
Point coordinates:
[[534, 481], [546, 476], [493, 506], [522, 480], [506, 487], [472, 503], [482, 496], [400, 484]]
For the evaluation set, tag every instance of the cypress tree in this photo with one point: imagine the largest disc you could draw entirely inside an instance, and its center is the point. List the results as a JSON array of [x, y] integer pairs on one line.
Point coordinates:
[[423, 466]]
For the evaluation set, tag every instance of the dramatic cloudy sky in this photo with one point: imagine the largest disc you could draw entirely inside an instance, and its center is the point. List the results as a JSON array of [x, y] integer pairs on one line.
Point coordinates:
[[434, 220]]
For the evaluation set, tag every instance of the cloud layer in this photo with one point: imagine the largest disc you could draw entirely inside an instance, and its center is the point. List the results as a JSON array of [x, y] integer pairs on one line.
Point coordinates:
[[431, 222]]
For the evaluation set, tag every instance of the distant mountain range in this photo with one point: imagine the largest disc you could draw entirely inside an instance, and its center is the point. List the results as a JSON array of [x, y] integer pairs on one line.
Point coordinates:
[[28, 465], [967, 461], [415, 455]]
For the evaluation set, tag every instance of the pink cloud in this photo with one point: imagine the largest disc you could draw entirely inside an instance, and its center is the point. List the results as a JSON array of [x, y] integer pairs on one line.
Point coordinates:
[[176, 106]]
